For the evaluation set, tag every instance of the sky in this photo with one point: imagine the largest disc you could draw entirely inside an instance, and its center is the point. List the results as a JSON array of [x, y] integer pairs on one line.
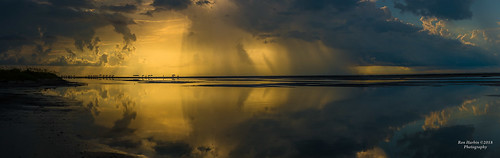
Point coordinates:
[[251, 37]]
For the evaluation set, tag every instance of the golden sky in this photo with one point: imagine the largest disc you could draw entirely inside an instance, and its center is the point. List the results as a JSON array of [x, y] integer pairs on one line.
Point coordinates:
[[238, 37]]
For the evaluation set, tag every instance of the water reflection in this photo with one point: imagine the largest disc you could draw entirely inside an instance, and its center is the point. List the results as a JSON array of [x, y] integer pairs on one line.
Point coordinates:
[[179, 120]]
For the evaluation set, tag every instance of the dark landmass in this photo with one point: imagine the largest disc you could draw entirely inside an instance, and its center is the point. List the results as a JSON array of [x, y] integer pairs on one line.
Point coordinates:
[[31, 78], [28, 74]]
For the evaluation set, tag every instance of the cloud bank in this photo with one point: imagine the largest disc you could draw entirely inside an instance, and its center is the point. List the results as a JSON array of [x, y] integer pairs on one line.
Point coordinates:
[[445, 9], [355, 33], [242, 37], [42, 24]]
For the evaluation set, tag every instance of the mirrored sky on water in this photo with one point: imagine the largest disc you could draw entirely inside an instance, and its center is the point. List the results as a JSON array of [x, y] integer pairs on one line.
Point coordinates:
[[189, 120]]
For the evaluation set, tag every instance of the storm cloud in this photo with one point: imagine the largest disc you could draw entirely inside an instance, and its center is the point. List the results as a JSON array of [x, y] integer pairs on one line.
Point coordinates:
[[280, 36], [368, 35], [128, 8], [444, 9], [171, 4], [43, 23], [322, 37]]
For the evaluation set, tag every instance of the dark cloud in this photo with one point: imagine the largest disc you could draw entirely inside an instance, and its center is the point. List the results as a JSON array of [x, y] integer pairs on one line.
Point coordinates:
[[70, 52], [128, 8], [204, 2], [171, 4], [271, 15], [394, 43], [104, 59], [307, 36], [173, 149], [13, 41], [356, 32], [266, 16], [120, 23], [41, 23], [366, 35], [88, 43], [72, 3], [338, 5], [444, 9], [59, 61]]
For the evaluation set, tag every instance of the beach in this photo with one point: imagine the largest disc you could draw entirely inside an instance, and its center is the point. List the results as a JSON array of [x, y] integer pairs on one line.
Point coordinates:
[[38, 125]]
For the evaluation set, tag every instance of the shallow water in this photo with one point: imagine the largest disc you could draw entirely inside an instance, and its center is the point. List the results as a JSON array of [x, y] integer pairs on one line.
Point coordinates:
[[280, 118]]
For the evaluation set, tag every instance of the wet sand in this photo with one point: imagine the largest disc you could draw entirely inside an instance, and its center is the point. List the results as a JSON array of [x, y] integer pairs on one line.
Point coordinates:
[[37, 125]]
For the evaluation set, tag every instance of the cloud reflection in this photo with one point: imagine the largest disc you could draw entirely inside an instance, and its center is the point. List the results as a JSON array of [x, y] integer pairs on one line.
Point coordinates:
[[159, 120]]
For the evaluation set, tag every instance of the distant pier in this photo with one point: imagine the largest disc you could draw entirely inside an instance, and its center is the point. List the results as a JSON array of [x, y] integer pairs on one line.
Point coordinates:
[[106, 76]]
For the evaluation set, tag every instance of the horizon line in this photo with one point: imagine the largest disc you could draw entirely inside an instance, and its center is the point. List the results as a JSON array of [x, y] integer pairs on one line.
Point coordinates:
[[474, 74]]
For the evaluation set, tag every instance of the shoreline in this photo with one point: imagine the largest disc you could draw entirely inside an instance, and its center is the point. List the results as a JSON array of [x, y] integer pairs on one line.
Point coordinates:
[[39, 83]]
